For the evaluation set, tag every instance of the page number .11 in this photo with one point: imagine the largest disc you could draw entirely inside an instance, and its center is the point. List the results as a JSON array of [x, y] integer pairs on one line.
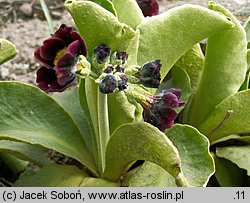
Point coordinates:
[[240, 195]]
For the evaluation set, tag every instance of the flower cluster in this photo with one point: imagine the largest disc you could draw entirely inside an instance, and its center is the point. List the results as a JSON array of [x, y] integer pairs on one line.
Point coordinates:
[[112, 77], [62, 57], [58, 56]]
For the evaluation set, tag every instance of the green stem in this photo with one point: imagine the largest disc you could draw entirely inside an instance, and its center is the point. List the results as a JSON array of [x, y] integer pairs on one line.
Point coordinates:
[[47, 16], [103, 129]]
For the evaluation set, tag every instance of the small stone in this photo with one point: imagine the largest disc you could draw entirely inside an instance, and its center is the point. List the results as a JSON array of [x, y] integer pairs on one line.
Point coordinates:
[[4, 72], [26, 9]]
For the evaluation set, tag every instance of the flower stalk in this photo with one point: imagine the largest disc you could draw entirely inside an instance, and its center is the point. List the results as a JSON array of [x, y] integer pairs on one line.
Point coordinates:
[[103, 129]]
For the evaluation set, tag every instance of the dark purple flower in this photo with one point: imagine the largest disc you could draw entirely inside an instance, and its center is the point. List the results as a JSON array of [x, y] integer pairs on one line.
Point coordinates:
[[149, 7], [159, 110], [119, 68], [109, 69], [123, 82], [59, 55], [102, 53], [123, 56], [108, 84], [150, 75]]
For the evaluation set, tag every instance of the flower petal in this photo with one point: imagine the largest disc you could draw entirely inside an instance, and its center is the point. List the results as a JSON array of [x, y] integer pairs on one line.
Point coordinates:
[[64, 33], [75, 36], [74, 48], [66, 79], [66, 60], [149, 7], [47, 80], [50, 48], [42, 61]]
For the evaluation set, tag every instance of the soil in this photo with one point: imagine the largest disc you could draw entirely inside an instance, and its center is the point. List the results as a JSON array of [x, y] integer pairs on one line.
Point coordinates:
[[23, 23]]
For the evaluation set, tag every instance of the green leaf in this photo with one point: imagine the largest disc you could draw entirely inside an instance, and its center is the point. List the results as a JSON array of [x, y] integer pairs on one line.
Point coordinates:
[[27, 152], [69, 100], [97, 182], [196, 162], [237, 154], [192, 62], [227, 173], [171, 34], [120, 110], [148, 175], [231, 116], [7, 50], [245, 84], [179, 79], [14, 164], [88, 108], [97, 26], [128, 12], [220, 77], [29, 115], [247, 29], [107, 4], [139, 141], [53, 175], [243, 139]]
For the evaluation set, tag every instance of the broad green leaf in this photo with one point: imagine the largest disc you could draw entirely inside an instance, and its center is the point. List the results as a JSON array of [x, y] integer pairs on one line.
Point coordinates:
[[29, 115], [227, 173], [237, 154], [53, 175], [148, 175], [97, 26], [224, 69], [192, 62], [245, 84], [178, 79], [231, 116], [243, 139], [128, 12], [196, 162], [97, 182], [139, 141], [26, 152], [120, 110], [247, 29], [87, 109], [107, 4], [7, 50], [98, 109], [171, 34], [69, 100], [14, 164]]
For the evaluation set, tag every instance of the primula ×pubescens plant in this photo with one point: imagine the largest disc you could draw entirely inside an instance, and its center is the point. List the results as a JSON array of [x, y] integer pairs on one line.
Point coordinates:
[[124, 80]]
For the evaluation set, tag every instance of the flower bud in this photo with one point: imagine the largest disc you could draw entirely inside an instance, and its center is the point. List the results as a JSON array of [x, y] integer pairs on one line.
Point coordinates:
[[149, 7], [102, 53], [123, 82], [159, 110], [108, 84], [150, 75], [123, 56]]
